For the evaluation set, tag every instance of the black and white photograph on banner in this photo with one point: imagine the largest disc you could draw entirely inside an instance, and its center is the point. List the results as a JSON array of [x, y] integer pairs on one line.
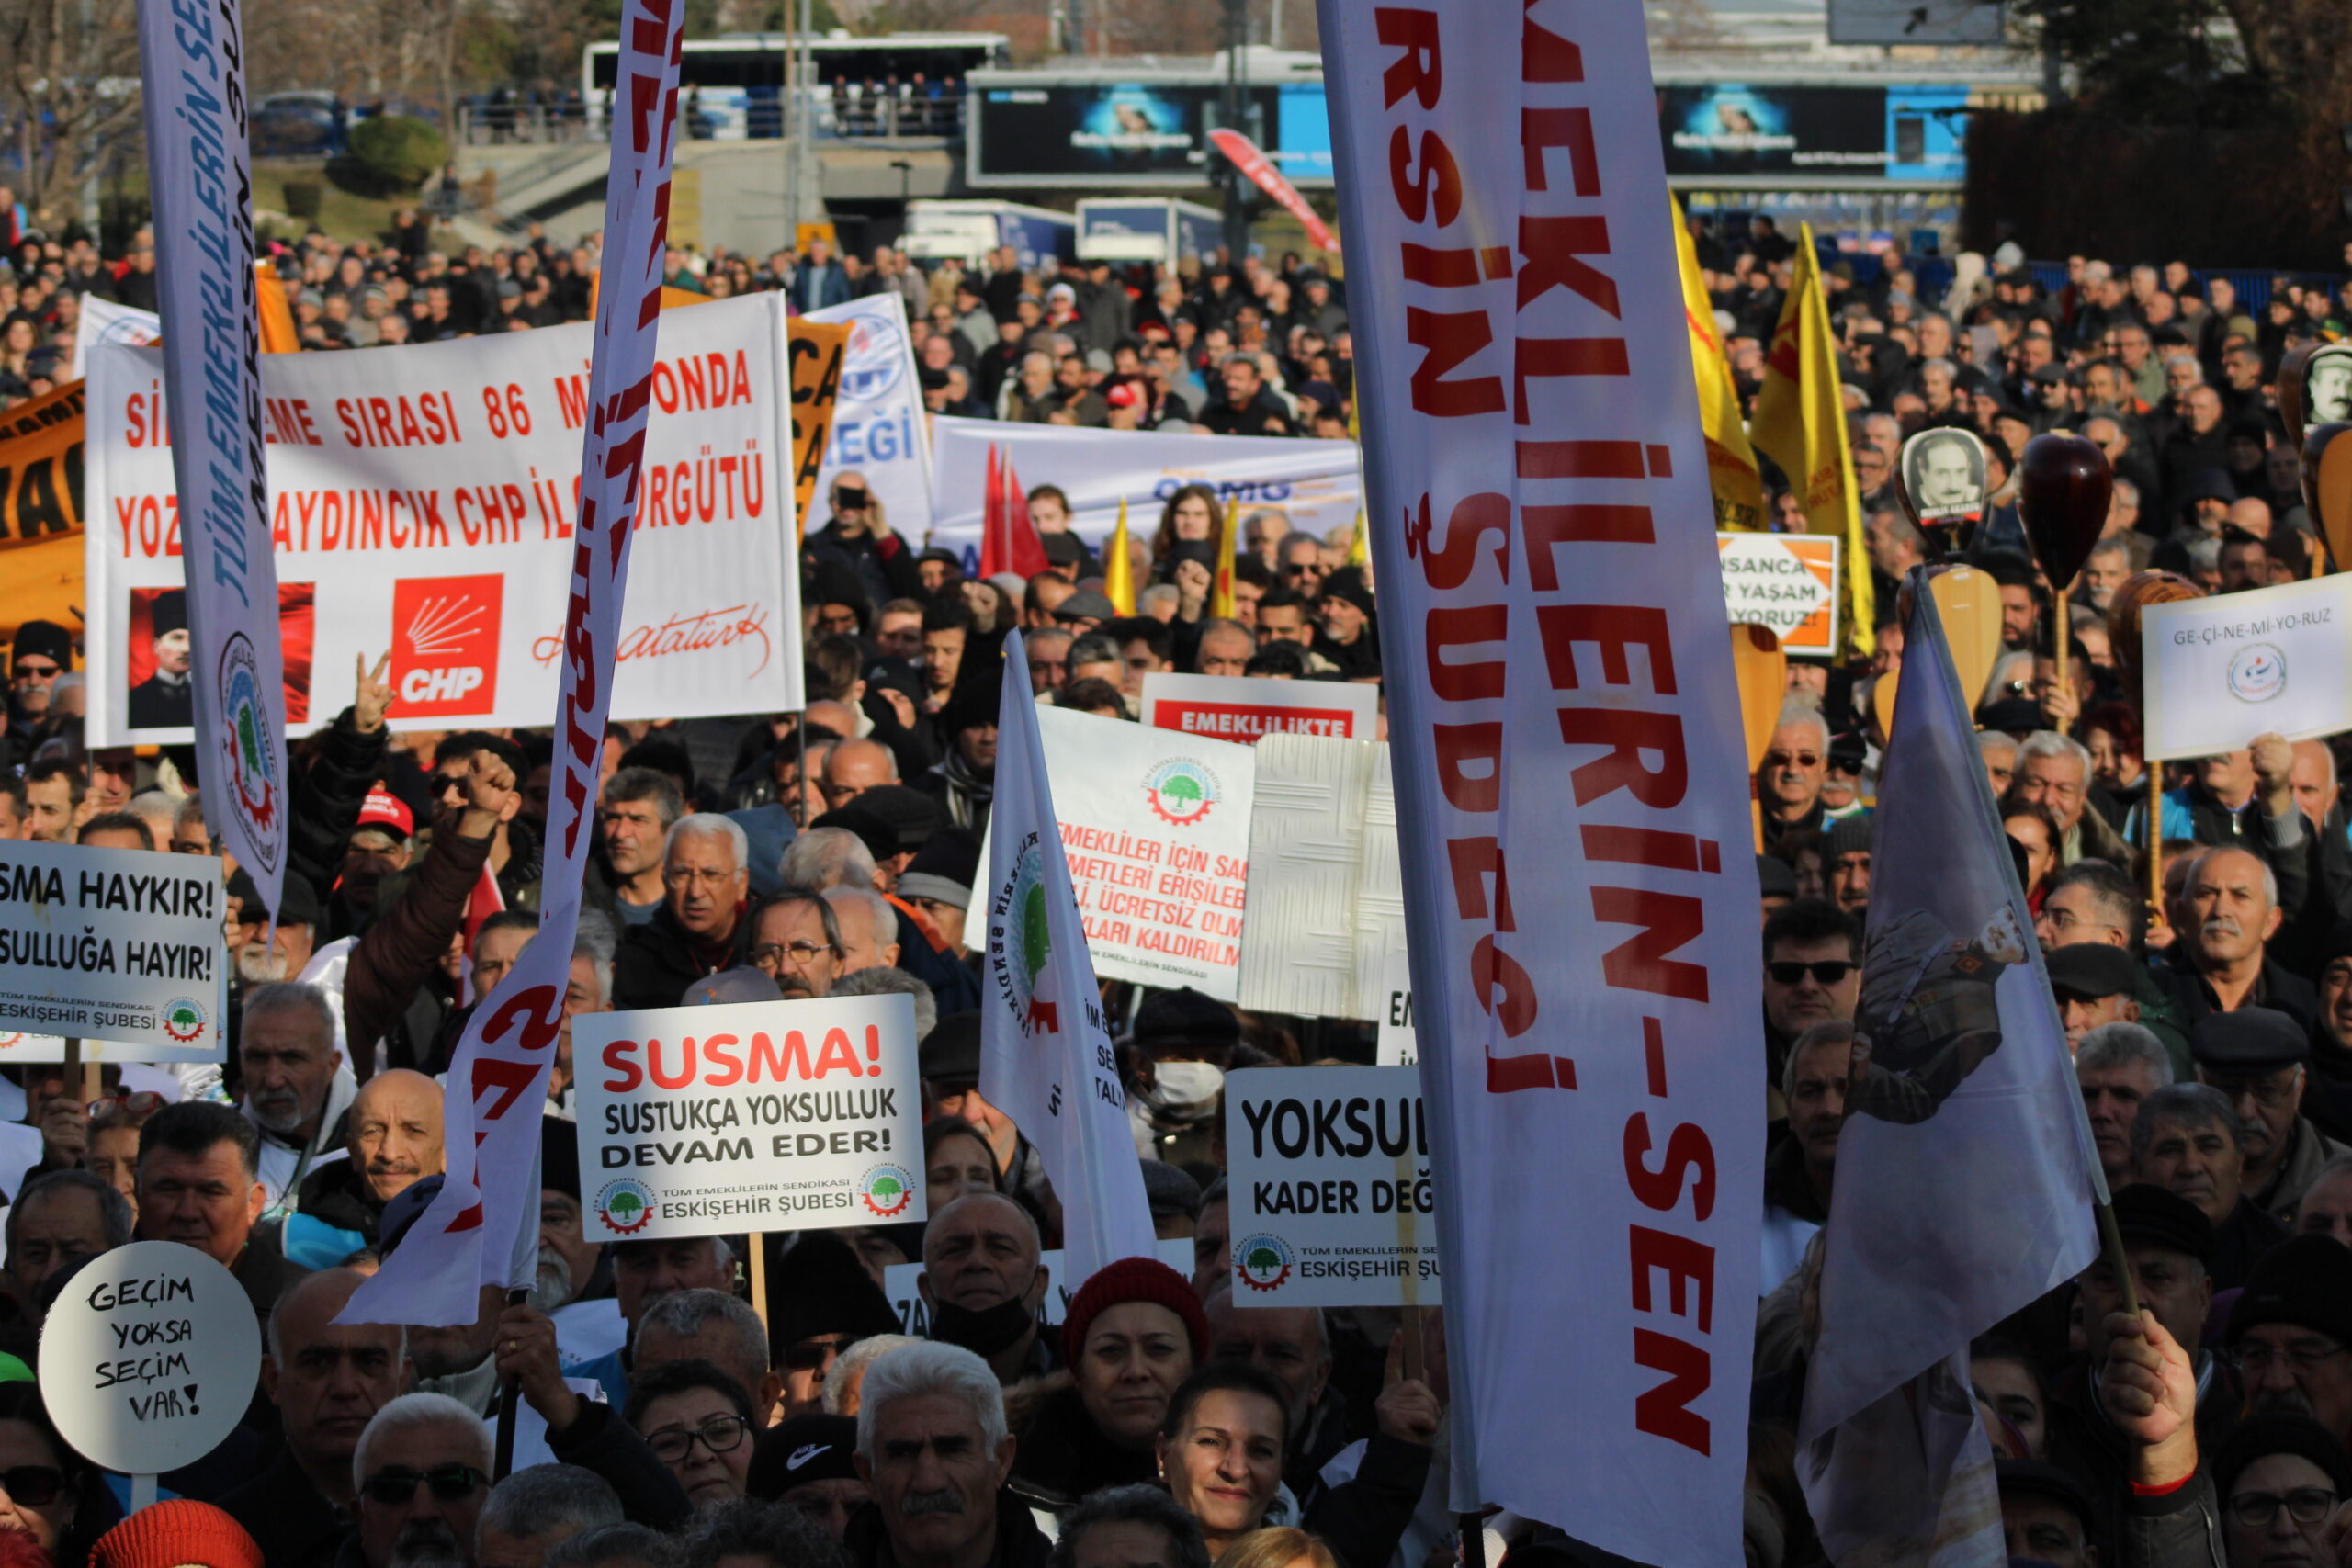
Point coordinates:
[[1371, 784]]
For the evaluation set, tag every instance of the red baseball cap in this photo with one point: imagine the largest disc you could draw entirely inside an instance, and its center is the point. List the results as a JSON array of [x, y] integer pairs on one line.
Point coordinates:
[[381, 809], [1124, 395]]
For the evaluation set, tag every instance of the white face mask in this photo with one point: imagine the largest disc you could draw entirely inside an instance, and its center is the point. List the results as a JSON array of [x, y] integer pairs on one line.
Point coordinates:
[[1184, 1085]]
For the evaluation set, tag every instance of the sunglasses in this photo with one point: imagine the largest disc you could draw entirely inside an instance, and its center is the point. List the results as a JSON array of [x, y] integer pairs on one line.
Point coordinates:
[[450, 1483], [808, 1357], [36, 672], [34, 1485], [1827, 973]]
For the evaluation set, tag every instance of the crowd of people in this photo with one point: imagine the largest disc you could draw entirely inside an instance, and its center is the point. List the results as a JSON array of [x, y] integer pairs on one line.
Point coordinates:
[[835, 851]]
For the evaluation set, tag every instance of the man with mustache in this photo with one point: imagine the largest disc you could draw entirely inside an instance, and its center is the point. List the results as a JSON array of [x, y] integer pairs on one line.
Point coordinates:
[[2290, 1333], [422, 1469], [296, 1091], [2227, 914], [932, 1445], [2184, 1139], [393, 1139]]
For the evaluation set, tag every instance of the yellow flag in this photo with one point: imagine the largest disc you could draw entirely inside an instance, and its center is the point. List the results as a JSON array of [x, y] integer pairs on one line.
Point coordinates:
[[1731, 462], [1800, 423], [1228, 546], [1360, 547], [1119, 567]]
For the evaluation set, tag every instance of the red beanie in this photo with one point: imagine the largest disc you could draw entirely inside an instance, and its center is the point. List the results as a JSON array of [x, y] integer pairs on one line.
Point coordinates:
[[171, 1534], [1135, 1280]]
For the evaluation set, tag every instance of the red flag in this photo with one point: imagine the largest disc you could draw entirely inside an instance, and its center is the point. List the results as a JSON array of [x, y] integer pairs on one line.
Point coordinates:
[[1009, 540], [484, 901]]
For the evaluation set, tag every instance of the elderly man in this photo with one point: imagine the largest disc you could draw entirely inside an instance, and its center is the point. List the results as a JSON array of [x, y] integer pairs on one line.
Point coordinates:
[[700, 929], [395, 1140], [1800, 1167], [2119, 1066], [869, 928], [199, 1184], [2093, 985], [932, 1445], [643, 1273], [2230, 911], [853, 767], [2256, 1059], [2291, 1329], [1813, 973], [2055, 772], [538, 1508], [982, 1283], [710, 1326], [2184, 1139], [56, 1222], [297, 1091], [327, 1379], [797, 942], [421, 1471], [1789, 780], [633, 823], [1290, 1345]]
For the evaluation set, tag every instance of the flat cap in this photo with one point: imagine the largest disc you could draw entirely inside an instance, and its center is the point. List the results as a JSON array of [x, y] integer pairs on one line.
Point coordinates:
[[2158, 1216], [2251, 1040], [2092, 969]]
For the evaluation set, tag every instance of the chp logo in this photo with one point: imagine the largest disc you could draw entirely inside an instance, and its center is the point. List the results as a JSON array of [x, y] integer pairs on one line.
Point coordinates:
[[1024, 941], [1262, 1262], [1183, 792], [445, 645], [888, 1190], [876, 360], [626, 1206], [2257, 674], [183, 1019], [252, 744]]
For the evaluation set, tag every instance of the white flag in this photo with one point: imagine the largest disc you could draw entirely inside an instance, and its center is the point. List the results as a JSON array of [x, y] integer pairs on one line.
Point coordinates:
[[103, 321], [1965, 1171], [497, 1086], [232, 687], [1046, 1058], [1572, 796]]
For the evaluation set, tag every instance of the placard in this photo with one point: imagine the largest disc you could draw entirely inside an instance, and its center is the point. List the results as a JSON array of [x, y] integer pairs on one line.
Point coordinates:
[[2221, 671], [1398, 1045], [1785, 583], [125, 943], [1237, 708], [901, 1283], [148, 1359], [1156, 827], [1333, 1204], [758, 1116], [15, 1047]]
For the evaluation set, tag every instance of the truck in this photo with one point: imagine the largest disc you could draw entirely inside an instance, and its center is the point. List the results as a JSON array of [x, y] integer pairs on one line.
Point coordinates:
[[1128, 228], [968, 230]]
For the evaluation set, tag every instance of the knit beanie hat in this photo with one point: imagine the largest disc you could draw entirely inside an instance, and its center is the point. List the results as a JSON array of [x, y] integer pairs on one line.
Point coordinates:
[[1135, 1280], [169, 1535]]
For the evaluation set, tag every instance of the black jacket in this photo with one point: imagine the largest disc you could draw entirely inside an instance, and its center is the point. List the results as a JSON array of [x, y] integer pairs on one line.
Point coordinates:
[[1064, 1455], [292, 1523], [1361, 1520], [657, 962], [1018, 1542], [344, 764]]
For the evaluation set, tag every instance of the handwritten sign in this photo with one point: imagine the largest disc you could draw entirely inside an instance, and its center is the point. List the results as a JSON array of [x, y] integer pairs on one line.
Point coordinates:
[[123, 944], [148, 1359], [1785, 583], [1234, 708], [2221, 671]]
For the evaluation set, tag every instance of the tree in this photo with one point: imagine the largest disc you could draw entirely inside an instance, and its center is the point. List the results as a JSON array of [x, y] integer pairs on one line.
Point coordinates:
[[70, 67], [2206, 62]]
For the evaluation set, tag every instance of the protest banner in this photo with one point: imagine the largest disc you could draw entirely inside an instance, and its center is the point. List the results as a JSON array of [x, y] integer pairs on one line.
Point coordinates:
[[1397, 1046], [148, 1359], [125, 943], [814, 353], [103, 321], [902, 1284], [1156, 827], [40, 509], [761, 1116], [1333, 1205], [877, 427], [1571, 790], [220, 680], [1326, 903], [1312, 485], [1234, 707], [2221, 671], [480, 1227], [423, 502], [1251, 160], [1786, 584]]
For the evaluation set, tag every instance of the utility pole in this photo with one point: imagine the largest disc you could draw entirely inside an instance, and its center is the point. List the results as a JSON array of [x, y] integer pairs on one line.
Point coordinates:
[[1233, 111], [806, 192]]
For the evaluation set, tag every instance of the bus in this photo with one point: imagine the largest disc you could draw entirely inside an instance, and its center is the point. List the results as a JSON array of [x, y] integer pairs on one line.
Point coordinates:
[[732, 89]]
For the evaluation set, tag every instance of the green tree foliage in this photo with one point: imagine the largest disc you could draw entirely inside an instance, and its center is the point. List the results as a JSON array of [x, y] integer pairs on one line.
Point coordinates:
[[392, 155]]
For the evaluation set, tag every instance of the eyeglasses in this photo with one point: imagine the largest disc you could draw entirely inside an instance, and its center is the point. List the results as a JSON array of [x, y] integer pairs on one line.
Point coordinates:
[[720, 1434], [2270, 1091], [2304, 1505], [2308, 1357], [34, 1485], [2065, 921], [450, 1483], [1827, 973], [811, 1354], [769, 955], [144, 1103]]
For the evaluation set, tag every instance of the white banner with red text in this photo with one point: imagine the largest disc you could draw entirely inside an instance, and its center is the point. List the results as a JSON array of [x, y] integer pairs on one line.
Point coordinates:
[[422, 501], [1571, 790], [1313, 486]]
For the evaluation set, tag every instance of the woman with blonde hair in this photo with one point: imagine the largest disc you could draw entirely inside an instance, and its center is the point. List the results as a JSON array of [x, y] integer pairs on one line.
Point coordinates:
[[1281, 1547]]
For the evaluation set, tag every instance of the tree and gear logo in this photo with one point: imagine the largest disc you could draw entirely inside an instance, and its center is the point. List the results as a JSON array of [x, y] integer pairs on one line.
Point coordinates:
[[184, 1020], [249, 742], [888, 1190], [1024, 940], [1262, 1262], [1181, 792], [626, 1206]]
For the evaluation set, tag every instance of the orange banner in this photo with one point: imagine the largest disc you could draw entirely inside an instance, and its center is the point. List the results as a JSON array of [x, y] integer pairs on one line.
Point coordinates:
[[814, 353]]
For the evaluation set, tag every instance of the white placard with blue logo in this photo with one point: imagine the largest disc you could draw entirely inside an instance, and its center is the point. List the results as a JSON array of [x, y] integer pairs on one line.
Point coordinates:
[[1314, 486], [1333, 1204], [123, 944], [757, 1116], [2220, 672], [878, 419]]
